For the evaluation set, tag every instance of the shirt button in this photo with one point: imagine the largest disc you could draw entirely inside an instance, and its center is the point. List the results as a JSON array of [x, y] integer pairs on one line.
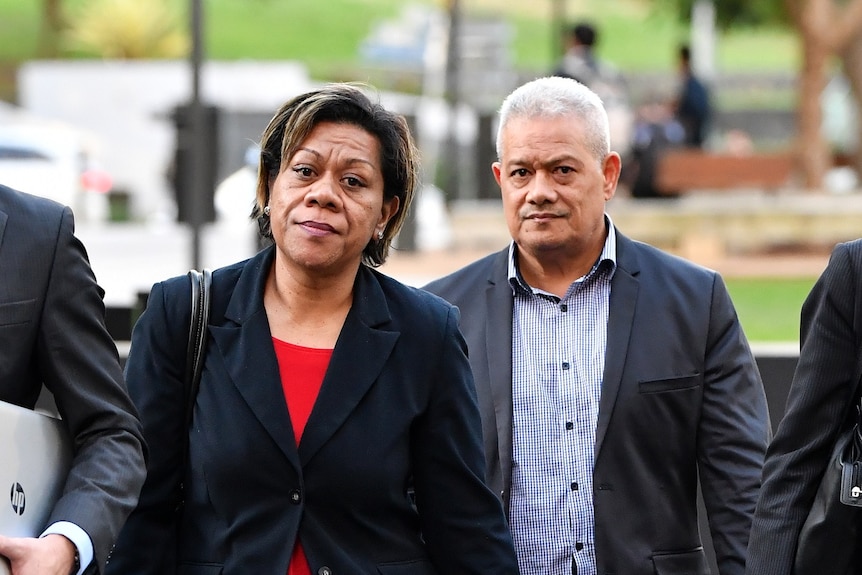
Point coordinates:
[[574, 485], [564, 308], [565, 365], [295, 496], [569, 425], [579, 546], [324, 571]]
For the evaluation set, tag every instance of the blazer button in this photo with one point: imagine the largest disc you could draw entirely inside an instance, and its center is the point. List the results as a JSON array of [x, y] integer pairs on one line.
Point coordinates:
[[324, 571], [295, 496]]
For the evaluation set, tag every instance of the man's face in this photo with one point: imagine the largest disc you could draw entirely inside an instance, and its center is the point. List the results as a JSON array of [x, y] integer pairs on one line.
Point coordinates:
[[554, 189]]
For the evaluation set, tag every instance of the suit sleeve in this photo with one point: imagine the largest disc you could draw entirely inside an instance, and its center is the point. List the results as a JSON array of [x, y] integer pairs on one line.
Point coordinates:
[[733, 433], [154, 373], [456, 507], [80, 366], [817, 406]]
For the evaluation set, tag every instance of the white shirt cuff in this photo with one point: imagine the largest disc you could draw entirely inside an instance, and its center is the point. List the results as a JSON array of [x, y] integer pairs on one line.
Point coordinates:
[[79, 539]]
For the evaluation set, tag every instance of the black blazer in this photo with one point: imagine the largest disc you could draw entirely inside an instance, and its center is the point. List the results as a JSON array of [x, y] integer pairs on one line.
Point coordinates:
[[397, 410], [681, 396], [821, 402], [52, 332]]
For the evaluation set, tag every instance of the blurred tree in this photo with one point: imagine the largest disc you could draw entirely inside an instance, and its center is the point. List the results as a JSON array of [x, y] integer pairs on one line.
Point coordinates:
[[127, 29], [731, 13], [827, 29], [852, 63], [51, 28]]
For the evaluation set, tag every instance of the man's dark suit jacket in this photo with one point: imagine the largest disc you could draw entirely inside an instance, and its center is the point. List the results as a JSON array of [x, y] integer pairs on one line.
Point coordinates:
[[52, 331], [821, 402], [681, 396], [397, 407]]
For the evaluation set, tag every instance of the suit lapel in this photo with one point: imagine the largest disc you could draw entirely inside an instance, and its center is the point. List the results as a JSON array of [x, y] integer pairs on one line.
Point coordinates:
[[245, 346], [3, 218], [362, 350], [623, 301], [498, 347]]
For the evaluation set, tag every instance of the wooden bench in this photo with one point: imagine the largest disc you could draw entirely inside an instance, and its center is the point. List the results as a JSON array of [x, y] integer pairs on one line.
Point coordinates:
[[679, 171]]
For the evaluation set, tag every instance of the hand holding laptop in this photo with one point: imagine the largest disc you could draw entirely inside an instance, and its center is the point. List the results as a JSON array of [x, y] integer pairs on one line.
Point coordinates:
[[36, 452], [50, 555]]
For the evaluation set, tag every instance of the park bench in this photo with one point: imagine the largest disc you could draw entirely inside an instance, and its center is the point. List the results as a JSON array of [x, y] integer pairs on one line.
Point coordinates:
[[683, 170]]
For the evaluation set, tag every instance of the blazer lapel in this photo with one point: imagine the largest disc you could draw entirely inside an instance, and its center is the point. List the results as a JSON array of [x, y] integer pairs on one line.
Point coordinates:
[[498, 347], [245, 345], [3, 218], [361, 351], [623, 301]]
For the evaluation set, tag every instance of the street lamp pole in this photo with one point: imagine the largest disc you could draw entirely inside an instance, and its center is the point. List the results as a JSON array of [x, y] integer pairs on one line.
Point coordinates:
[[453, 98], [197, 132]]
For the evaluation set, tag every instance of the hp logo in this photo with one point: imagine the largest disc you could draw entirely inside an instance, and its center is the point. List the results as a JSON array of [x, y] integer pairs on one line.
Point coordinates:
[[18, 499]]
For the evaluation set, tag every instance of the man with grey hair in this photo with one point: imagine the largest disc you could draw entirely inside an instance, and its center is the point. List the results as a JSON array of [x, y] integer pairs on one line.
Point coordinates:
[[610, 375]]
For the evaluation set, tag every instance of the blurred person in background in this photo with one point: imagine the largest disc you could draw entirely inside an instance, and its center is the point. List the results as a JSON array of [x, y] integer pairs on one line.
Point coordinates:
[[580, 62], [692, 107], [610, 375], [53, 334], [336, 428]]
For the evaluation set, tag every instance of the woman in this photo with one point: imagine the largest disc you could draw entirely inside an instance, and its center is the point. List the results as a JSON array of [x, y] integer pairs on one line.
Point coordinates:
[[821, 403], [336, 429]]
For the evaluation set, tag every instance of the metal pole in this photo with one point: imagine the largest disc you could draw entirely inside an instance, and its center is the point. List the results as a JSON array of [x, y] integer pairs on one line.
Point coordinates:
[[196, 117], [558, 25], [453, 97]]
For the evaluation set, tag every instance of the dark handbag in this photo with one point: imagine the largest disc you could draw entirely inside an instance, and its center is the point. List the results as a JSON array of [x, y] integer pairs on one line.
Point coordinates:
[[830, 538]]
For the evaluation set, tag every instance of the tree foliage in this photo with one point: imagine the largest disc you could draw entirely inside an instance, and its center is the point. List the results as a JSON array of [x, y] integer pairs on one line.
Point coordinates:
[[733, 13], [127, 29]]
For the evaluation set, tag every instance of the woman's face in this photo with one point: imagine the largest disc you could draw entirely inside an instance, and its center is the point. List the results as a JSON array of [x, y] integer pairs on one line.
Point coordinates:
[[327, 202]]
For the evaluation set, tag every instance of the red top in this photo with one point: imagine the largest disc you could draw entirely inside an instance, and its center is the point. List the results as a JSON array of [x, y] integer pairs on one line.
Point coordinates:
[[302, 370]]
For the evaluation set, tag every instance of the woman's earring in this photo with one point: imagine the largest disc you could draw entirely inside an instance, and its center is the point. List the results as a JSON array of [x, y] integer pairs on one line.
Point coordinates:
[[266, 211], [380, 235]]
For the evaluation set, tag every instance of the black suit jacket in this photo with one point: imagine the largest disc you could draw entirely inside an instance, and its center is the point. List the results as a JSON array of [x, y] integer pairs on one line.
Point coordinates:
[[821, 402], [396, 412], [681, 396], [52, 332]]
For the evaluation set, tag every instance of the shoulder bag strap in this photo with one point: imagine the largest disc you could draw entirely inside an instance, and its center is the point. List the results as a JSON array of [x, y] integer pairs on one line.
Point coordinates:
[[200, 282]]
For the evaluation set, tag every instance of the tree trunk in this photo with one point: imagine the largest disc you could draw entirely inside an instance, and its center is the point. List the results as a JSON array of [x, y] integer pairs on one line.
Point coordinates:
[[51, 26], [851, 60], [812, 147]]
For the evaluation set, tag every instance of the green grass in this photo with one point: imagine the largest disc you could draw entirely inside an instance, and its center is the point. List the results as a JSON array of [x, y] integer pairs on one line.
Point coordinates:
[[326, 34], [769, 308]]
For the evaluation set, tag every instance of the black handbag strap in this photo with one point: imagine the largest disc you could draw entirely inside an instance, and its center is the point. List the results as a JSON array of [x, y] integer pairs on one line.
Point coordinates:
[[201, 282]]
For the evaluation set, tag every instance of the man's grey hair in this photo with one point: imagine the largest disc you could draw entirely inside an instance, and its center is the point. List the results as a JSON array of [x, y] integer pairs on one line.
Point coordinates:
[[555, 97]]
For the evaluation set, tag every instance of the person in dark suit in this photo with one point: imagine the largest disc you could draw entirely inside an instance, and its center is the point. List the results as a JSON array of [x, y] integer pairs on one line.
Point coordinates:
[[610, 374], [692, 106], [821, 403], [53, 334], [336, 429]]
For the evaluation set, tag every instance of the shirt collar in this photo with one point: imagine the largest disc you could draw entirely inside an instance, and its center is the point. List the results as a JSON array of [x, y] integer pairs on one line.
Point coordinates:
[[609, 255]]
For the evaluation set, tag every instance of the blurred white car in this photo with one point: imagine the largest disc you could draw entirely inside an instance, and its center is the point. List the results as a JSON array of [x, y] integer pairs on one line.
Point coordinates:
[[55, 161]]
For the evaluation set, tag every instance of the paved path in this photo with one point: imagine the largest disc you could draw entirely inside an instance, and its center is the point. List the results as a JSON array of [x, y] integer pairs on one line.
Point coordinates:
[[419, 268]]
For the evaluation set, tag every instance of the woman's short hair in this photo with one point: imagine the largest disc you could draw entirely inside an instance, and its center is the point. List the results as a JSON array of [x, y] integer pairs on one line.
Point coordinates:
[[345, 104], [554, 97]]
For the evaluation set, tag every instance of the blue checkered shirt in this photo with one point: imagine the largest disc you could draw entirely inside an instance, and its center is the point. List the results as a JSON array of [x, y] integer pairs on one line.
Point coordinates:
[[558, 357]]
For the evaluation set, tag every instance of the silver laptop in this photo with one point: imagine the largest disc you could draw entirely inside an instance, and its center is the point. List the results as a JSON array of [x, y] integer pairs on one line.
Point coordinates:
[[35, 455]]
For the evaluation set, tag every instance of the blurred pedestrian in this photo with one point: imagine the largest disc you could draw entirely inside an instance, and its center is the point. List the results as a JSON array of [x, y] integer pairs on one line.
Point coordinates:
[[692, 105], [611, 375], [336, 428], [580, 62], [53, 334]]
